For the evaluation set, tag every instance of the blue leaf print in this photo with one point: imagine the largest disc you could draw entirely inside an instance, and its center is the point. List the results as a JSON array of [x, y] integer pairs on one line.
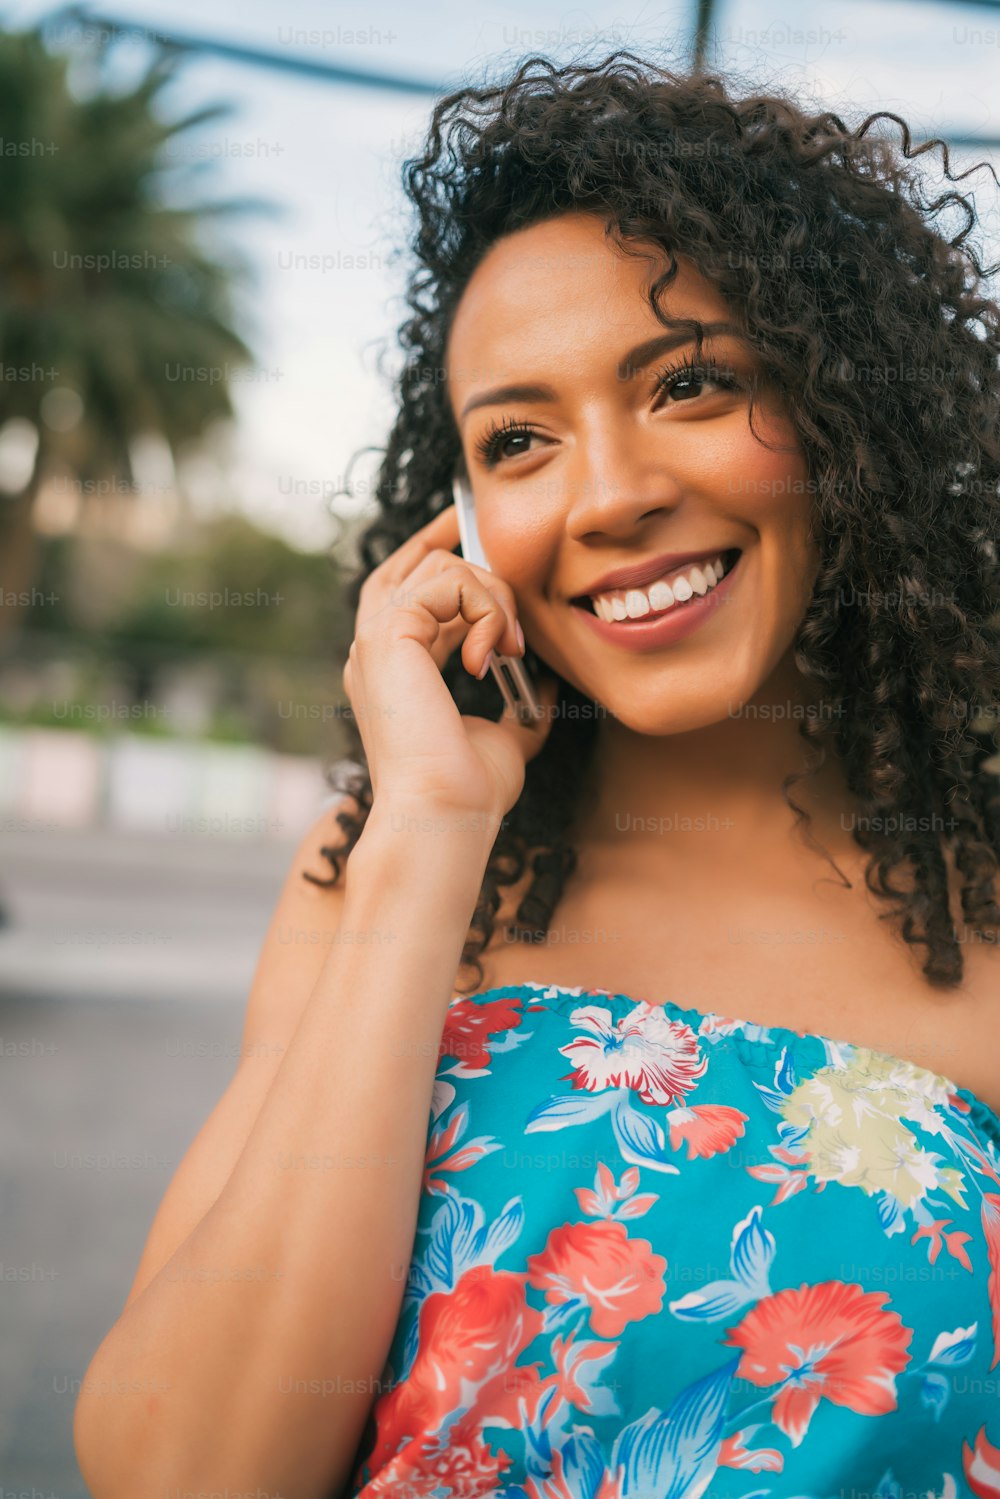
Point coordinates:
[[538, 1451], [784, 1072], [934, 1390], [471, 1233], [750, 1255], [712, 1302], [504, 1231], [792, 1136], [410, 1344], [570, 1108], [673, 1454], [583, 1465], [460, 1239], [774, 1100], [954, 1348], [891, 1215], [752, 1252], [511, 1041], [640, 1139], [439, 1259], [418, 1285], [784, 1082]]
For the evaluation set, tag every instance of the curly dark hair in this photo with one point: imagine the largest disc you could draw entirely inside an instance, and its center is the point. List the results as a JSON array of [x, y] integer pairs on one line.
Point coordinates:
[[876, 332]]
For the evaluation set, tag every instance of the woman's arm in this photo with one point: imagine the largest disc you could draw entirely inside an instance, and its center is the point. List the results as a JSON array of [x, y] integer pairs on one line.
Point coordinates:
[[250, 1357], [301, 932]]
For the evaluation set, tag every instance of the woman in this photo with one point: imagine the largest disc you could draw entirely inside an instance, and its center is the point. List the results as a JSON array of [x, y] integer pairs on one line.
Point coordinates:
[[727, 400]]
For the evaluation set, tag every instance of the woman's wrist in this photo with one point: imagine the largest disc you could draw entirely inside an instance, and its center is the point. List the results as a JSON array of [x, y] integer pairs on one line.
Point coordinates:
[[403, 845]]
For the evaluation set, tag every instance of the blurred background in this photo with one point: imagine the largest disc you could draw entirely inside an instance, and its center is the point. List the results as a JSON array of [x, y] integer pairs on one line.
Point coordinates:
[[202, 251]]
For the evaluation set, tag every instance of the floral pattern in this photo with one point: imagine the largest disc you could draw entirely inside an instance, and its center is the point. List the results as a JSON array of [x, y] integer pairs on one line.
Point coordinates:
[[811, 1302]]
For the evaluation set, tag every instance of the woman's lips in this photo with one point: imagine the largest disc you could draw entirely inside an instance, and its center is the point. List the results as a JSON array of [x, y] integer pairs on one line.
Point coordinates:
[[653, 631]]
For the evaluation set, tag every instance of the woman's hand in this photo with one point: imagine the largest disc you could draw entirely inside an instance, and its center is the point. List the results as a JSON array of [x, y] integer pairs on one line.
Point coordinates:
[[413, 610]]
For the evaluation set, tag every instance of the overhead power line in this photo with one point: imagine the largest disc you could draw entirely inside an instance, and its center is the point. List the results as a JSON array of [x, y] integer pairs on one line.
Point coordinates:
[[289, 62], [328, 72]]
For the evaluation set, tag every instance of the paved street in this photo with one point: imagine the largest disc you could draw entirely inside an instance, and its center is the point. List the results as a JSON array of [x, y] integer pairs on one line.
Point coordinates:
[[123, 976]]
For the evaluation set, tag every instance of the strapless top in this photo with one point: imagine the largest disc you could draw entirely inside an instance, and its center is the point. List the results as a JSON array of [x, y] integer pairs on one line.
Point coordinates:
[[662, 1253]]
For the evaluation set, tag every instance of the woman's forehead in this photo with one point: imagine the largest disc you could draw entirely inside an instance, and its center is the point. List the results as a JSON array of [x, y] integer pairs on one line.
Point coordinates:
[[556, 288]]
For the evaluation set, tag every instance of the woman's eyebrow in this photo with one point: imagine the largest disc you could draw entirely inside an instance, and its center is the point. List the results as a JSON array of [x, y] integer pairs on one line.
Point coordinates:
[[635, 359], [644, 354]]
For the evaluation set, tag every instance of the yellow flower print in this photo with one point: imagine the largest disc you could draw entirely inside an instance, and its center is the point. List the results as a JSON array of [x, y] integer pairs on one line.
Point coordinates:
[[854, 1118]]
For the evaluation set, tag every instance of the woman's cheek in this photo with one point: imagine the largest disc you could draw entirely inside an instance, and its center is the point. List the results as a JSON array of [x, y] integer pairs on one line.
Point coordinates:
[[523, 554]]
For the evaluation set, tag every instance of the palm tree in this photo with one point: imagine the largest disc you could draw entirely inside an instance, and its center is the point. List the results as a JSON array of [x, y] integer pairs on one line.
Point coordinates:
[[105, 290]]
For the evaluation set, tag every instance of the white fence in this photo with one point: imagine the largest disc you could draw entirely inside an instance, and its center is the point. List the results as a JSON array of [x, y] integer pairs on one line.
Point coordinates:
[[60, 778]]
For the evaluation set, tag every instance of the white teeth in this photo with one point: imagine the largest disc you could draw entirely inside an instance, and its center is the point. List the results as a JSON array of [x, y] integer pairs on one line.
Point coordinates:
[[659, 596]]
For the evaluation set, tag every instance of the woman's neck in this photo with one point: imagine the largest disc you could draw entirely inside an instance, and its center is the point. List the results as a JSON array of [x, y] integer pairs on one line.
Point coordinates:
[[713, 796]]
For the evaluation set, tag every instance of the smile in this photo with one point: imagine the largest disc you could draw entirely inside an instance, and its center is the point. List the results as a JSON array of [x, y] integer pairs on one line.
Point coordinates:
[[675, 587], [642, 619]]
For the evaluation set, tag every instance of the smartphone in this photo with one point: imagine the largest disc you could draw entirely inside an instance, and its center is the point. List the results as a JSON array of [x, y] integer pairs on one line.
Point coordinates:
[[508, 671]]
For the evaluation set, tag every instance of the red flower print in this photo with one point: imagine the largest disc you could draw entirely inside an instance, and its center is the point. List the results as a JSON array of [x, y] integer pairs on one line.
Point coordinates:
[[425, 1466], [467, 1337], [619, 1278], [832, 1340], [467, 1027], [734, 1454], [982, 1467], [644, 1050], [991, 1231], [706, 1128]]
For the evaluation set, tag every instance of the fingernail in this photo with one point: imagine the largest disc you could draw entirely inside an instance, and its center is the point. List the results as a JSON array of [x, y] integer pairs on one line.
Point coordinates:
[[485, 666], [519, 633]]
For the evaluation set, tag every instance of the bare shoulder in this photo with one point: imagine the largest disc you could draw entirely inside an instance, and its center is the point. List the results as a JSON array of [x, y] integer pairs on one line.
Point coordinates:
[[979, 1014], [981, 959]]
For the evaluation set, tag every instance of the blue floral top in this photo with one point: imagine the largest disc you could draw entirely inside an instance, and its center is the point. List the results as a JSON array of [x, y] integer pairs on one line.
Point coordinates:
[[662, 1254]]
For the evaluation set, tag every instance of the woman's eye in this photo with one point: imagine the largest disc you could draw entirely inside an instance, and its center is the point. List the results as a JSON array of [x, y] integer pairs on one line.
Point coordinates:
[[686, 382], [503, 443], [686, 386], [495, 442]]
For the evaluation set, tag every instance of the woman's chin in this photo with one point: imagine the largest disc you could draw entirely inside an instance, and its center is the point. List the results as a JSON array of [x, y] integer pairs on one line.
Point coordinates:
[[662, 717]]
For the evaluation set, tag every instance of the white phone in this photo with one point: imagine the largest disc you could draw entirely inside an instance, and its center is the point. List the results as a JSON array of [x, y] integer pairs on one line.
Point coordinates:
[[508, 671]]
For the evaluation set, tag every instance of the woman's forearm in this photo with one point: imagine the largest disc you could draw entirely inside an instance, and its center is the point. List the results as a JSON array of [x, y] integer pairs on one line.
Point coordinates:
[[251, 1360]]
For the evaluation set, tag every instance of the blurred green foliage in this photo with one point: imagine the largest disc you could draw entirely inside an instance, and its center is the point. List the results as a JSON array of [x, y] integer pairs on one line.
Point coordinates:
[[118, 314], [247, 632]]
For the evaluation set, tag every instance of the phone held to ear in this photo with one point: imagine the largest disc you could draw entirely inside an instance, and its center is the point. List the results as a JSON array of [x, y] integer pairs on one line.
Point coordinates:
[[508, 671]]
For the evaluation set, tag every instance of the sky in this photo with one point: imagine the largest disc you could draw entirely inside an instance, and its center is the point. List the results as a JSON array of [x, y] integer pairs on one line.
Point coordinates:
[[329, 262]]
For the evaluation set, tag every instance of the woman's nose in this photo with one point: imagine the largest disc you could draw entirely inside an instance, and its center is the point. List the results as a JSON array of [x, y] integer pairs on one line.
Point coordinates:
[[609, 486]]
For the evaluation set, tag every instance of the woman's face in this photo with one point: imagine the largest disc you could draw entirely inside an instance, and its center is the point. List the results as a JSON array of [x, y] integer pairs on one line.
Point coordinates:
[[613, 471]]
